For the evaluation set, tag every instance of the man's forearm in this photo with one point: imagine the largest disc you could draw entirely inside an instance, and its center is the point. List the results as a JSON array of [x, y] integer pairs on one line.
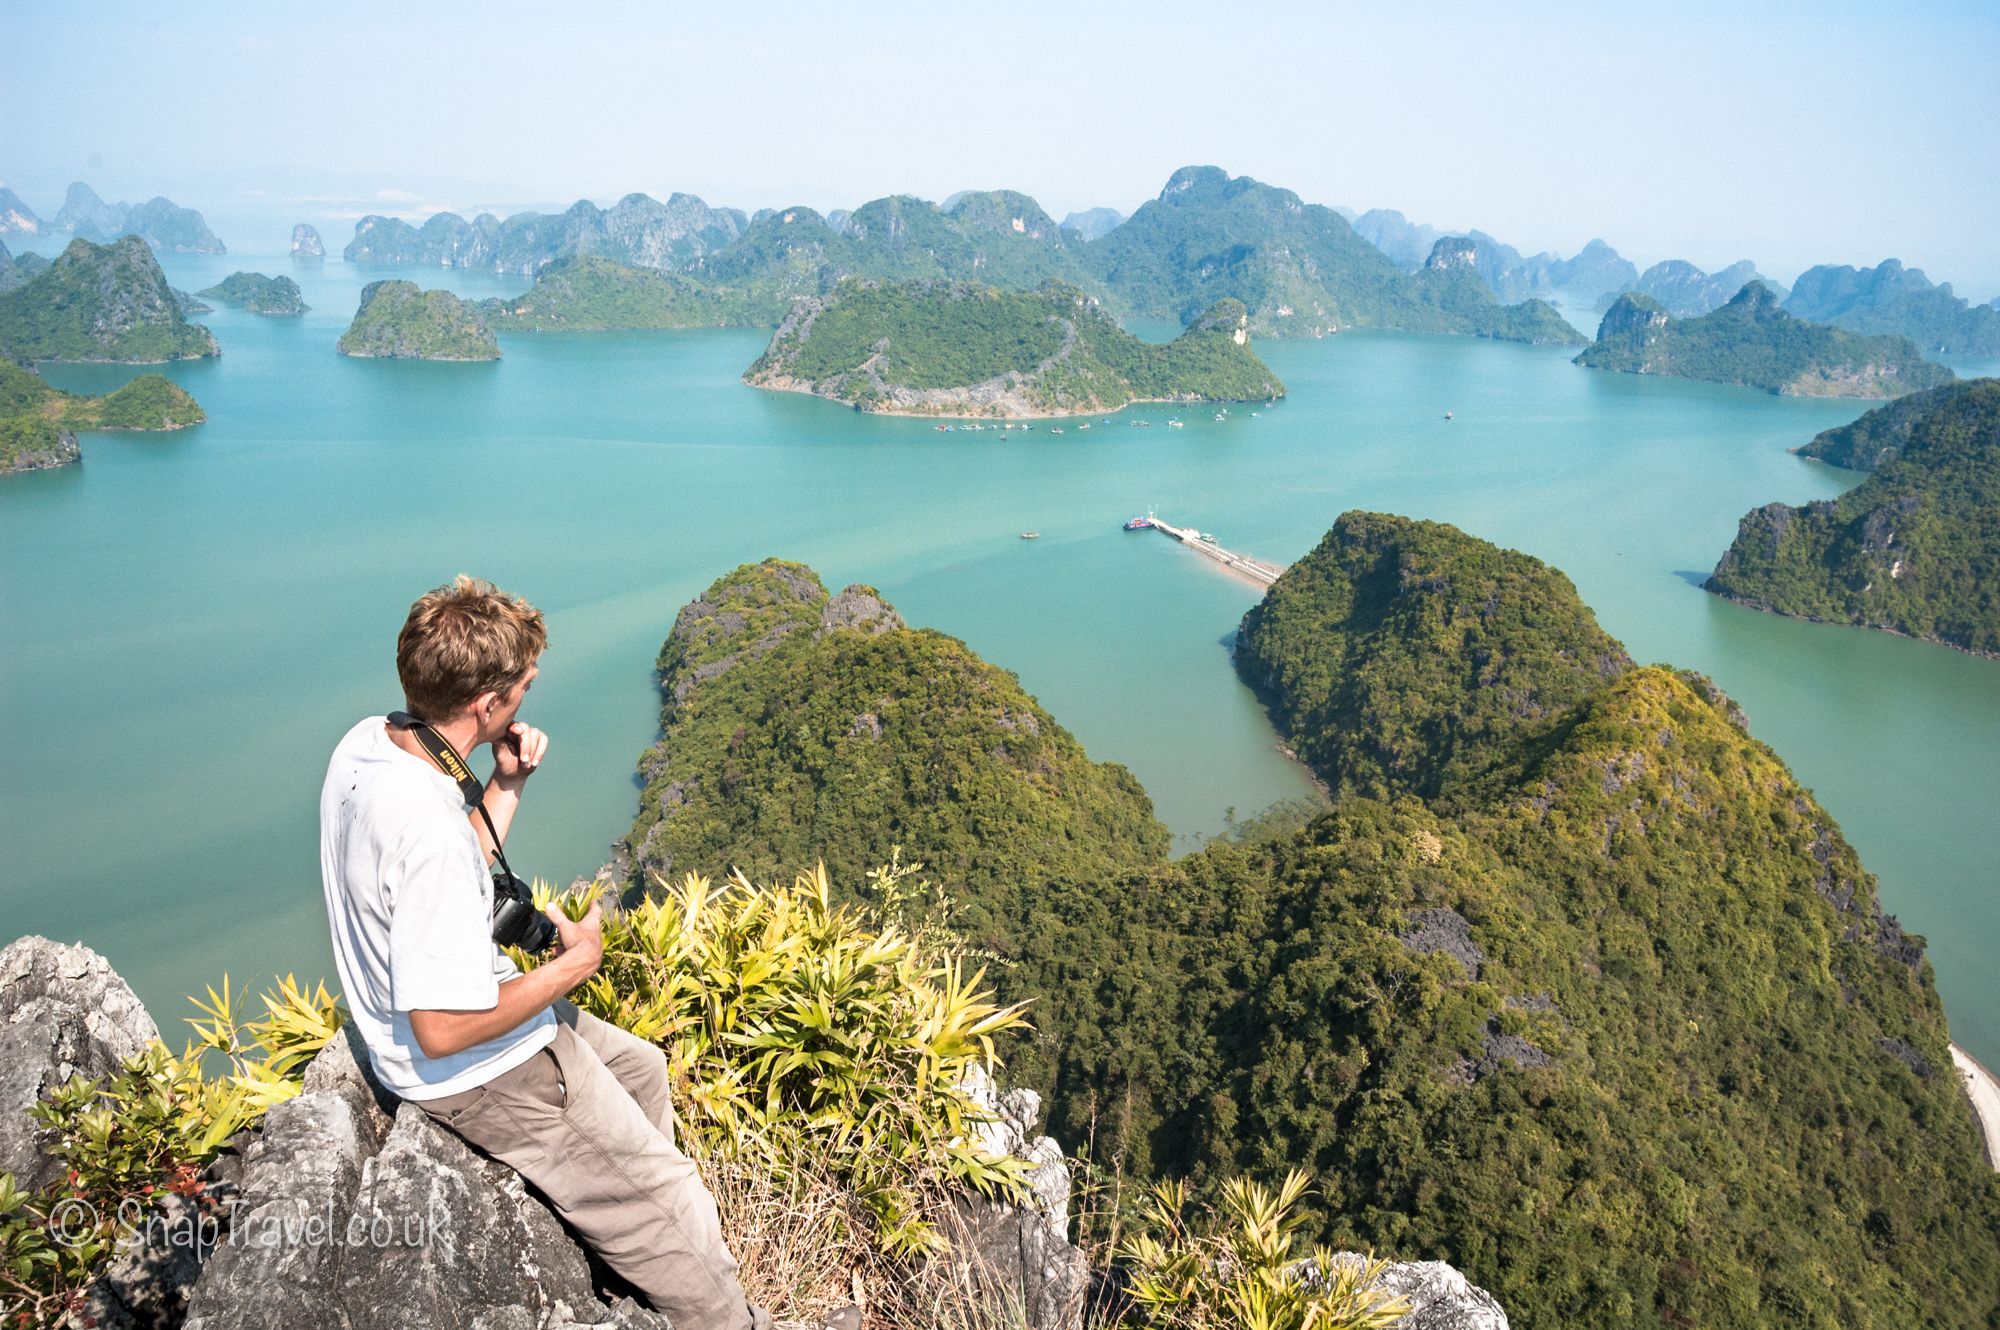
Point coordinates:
[[442, 1033], [502, 798]]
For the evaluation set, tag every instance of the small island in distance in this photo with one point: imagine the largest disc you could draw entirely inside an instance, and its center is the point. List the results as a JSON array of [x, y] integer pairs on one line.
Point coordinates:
[[962, 349], [259, 294], [1753, 343], [398, 321], [38, 420]]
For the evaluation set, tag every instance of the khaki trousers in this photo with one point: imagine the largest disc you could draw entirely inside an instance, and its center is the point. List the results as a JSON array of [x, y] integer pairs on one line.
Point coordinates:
[[588, 1122]]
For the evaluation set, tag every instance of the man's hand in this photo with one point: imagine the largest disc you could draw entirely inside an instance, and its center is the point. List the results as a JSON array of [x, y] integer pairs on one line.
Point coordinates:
[[579, 942], [517, 753]]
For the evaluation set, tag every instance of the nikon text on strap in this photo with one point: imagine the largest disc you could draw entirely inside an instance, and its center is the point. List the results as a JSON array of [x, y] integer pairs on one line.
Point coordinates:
[[453, 766]]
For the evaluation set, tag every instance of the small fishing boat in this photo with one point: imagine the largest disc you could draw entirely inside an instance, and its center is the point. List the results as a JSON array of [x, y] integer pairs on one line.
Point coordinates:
[[1139, 524], [1031, 535], [1447, 415], [1084, 425], [1055, 429]]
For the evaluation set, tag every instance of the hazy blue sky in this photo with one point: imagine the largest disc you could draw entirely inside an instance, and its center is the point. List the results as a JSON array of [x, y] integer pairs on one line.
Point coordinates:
[[1787, 133]]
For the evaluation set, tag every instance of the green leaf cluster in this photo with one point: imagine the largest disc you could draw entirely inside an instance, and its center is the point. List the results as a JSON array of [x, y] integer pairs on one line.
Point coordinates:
[[968, 349], [100, 302], [802, 1030], [1914, 549], [1239, 1269], [397, 320], [1752, 342]]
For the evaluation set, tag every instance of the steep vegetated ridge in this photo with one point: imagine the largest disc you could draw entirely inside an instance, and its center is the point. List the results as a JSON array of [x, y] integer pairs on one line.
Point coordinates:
[[1890, 298], [1511, 275], [800, 726], [1093, 223], [1753, 343], [1614, 1020], [1299, 268], [1914, 549], [160, 222], [397, 320], [33, 443], [16, 269], [637, 229], [100, 302], [1686, 292], [938, 348], [259, 294], [1401, 657], [590, 294], [1450, 281]]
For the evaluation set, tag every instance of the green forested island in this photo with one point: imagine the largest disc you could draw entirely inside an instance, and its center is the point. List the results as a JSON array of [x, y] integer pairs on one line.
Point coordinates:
[[1300, 270], [1574, 987], [587, 293], [259, 294], [1752, 342], [1913, 549], [962, 349], [39, 419], [100, 302], [397, 320], [1899, 301], [801, 726]]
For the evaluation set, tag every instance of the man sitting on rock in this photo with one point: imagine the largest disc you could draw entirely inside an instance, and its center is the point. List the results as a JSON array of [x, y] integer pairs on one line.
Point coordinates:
[[577, 1106]]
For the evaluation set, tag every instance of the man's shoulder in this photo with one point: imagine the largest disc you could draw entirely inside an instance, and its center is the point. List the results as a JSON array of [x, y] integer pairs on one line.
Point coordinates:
[[371, 780]]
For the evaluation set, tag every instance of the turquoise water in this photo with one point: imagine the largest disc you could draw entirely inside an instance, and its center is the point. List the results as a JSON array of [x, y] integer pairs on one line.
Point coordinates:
[[192, 619]]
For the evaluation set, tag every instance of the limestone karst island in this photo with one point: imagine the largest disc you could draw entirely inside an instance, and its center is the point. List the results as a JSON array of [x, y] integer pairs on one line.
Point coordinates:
[[927, 668]]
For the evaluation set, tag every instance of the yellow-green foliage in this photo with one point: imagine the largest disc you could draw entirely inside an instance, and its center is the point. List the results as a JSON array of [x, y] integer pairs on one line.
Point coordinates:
[[790, 1021], [1238, 1269], [147, 1131]]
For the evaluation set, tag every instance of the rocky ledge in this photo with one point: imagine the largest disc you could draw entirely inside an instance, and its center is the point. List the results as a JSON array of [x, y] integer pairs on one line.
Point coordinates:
[[346, 1210]]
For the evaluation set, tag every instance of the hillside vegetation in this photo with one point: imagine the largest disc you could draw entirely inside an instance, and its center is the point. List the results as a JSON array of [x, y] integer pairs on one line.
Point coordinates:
[[1752, 342], [100, 302], [397, 320], [963, 349], [41, 417], [259, 294], [592, 294], [800, 726], [1914, 549], [1594, 1001]]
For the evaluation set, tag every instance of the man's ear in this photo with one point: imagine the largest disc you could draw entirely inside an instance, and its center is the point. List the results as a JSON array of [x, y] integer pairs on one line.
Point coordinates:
[[482, 707]]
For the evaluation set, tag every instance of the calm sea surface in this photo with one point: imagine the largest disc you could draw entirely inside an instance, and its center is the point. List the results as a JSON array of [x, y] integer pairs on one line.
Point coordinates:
[[191, 620]]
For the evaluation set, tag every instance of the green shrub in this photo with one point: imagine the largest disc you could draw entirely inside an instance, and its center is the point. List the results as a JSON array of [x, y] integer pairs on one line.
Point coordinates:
[[796, 1028], [1238, 1269]]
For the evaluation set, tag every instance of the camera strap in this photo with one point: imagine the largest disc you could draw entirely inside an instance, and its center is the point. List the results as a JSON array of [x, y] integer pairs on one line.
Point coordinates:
[[453, 766]]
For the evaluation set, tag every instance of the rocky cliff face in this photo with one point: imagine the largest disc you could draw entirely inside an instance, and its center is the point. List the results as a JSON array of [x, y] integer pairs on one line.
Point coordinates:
[[306, 243], [638, 229], [16, 217]]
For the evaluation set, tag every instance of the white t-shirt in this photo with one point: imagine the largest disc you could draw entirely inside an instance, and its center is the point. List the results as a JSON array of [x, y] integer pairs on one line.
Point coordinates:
[[410, 902]]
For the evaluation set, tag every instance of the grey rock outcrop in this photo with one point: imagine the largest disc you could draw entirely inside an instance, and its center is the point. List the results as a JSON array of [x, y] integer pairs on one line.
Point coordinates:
[[355, 1212], [63, 1012], [1024, 1250], [306, 243], [1440, 1298]]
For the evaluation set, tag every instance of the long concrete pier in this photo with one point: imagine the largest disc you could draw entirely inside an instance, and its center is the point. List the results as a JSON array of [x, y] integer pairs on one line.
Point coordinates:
[[1251, 570]]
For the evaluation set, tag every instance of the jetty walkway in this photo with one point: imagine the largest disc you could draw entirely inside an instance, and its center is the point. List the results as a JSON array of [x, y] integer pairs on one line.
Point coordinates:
[[1254, 570]]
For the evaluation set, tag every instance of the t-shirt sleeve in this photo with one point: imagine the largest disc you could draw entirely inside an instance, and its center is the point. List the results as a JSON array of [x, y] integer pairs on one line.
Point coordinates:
[[441, 949]]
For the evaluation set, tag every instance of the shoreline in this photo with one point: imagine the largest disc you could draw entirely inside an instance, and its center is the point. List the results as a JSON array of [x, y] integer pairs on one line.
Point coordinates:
[[1982, 1087], [793, 387]]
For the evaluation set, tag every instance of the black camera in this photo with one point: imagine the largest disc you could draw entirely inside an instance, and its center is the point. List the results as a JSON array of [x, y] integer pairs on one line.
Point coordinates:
[[516, 921]]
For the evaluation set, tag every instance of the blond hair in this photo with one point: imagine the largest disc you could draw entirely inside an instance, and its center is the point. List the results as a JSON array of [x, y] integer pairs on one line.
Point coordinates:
[[463, 640]]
